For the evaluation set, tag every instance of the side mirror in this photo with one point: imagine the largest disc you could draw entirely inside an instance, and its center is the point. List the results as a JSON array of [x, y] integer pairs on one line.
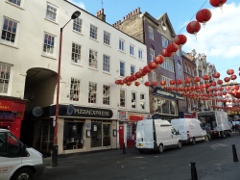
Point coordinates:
[[23, 150]]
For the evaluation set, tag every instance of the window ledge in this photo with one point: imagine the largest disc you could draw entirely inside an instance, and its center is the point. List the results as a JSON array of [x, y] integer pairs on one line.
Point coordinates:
[[50, 57], [93, 39], [8, 44], [51, 21], [19, 7]]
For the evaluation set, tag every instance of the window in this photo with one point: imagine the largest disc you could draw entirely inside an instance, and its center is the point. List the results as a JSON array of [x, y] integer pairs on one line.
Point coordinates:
[[164, 42], [4, 77], [92, 95], [76, 53], [168, 64], [106, 95], [122, 69], [152, 54], [133, 100], [93, 31], [154, 76], [121, 45], [48, 45], [92, 59], [106, 63], [75, 89], [167, 80], [140, 54], [132, 69], [179, 67], [51, 12], [106, 37], [17, 2], [96, 134], [122, 98], [9, 30], [131, 50], [77, 25], [142, 100], [150, 33]]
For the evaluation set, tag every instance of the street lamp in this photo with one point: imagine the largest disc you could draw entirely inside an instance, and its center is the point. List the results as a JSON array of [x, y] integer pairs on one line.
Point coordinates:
[[75, 15]]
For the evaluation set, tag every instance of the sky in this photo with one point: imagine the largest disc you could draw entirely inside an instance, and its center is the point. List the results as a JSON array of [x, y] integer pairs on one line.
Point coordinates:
[[218, 39]]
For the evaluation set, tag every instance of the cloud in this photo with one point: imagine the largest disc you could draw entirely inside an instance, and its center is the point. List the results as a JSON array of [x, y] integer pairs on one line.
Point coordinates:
[[219, 37], [78, 3]]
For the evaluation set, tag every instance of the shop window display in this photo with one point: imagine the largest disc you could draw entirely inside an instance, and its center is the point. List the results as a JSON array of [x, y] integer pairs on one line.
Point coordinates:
[[73, 135]]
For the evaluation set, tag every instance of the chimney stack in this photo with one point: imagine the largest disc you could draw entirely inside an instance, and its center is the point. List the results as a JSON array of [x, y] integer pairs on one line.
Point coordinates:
[[101, 15]]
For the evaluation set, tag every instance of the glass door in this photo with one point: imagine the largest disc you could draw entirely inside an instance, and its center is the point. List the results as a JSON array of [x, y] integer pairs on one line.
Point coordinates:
[[46, 137], [106, 134]]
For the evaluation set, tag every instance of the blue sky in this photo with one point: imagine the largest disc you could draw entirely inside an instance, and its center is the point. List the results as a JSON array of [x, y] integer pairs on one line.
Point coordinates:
[[219, 40]]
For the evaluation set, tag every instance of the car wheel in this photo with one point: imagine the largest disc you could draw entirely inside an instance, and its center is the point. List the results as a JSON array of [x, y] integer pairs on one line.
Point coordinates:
[[193, 141], [206, 138], [179, 144], [160, 149], [24, 174]]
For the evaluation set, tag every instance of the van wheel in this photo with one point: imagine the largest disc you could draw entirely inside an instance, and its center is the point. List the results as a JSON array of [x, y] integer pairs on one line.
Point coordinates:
[[193, 141], [24, 173], [206, 138], [179, 144], [160, 149]]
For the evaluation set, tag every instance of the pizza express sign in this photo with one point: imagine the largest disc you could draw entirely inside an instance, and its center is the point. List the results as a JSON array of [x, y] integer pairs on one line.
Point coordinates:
[[89, 112]]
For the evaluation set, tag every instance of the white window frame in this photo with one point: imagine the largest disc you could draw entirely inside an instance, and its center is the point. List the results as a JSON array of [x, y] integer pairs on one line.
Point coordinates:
[[51, 14], [47, 53], [150, 33], [134, 99], [75, 89], [121, 44], [16, 2], [122, 69], [5, 76], [106, 63], [76, 53], [6, 31], [140, 54], [154, 76], [164, 42], [93, 31], [92, 93], [131, 50], [122, 98], [132, 69], [179, 69], [168, 64], [106, 94], [164, 78], [106, 38], [77, 25], [92, 59], [151, 54]]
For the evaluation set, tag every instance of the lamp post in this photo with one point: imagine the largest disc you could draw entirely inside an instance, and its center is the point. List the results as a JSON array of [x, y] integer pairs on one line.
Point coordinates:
[[75, 15]]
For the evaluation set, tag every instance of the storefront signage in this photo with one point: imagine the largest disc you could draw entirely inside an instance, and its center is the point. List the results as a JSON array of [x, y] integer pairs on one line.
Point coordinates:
[[5, 105], [123, 116], [161, 92], [7, 116], [37, 111], [92, 112]]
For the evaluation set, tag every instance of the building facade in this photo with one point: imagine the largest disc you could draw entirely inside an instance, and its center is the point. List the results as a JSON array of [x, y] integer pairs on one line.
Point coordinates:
[[94, 54], [157, 34]]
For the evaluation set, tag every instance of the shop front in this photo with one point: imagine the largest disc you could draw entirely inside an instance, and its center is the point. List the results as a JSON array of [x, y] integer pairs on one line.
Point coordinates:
[[12, 113], [80, 129]]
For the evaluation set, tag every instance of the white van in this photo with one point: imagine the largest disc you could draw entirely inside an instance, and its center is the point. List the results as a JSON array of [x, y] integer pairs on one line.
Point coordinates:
[[156, 134], [189, 129], [16, 160]]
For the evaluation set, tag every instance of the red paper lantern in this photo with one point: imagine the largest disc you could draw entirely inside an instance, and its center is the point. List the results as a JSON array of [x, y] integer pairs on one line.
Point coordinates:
[[213, 83], [230, 71], [152, 65], [128, 83], [137, 83], [165, 53], [187, 80], [179, 81], [217, 3], [197, 79], [172, 48], [203, 15], [219, 81], [147, 84], [233, 77], [159, 59], [163, 83], [206, 77], [193, 27], [146, 70], [154, 83], [172, 82], [227, 79], [216, 75], [138, 75], [180, 39]]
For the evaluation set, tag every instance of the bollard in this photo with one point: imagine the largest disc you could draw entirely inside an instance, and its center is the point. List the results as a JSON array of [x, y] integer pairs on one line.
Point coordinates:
[[124, 148], [193, 171], [235, 158]]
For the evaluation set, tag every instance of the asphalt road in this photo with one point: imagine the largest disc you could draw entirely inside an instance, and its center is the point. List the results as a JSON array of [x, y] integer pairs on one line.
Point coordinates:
[[214, 160]]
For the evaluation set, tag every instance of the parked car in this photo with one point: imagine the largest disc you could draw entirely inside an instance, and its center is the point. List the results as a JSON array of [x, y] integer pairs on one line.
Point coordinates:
[[156, 135], [16, 160], [190, 130]]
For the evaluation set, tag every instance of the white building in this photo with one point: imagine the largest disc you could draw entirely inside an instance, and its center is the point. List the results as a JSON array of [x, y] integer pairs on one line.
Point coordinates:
[[94, 54]]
